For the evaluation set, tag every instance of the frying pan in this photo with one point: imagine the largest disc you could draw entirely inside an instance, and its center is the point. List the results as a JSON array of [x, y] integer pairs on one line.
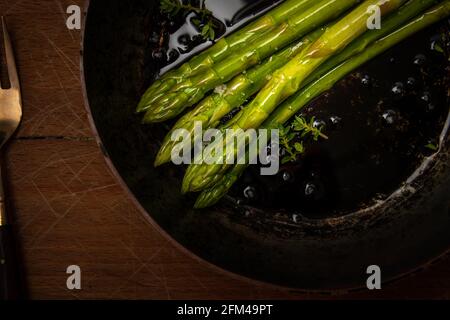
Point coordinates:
[[406, 227]]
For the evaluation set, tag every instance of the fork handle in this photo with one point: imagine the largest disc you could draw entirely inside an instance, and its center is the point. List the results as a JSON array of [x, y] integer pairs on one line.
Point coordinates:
[[8, 271]]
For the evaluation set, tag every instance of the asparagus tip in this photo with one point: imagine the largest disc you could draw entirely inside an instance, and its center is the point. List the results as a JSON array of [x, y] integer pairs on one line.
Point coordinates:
[[198, 204], [204, 201], [157, 163], [185, 187]]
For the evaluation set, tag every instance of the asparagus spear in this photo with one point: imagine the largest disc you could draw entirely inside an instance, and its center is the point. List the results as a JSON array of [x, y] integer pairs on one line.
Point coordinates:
[[407, 12], [193, 89], [285, 82], [213, 108], [212, 195], [222, 48]]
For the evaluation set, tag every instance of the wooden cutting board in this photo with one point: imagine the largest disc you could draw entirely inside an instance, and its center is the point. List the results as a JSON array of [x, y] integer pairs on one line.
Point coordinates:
[[69, 210]]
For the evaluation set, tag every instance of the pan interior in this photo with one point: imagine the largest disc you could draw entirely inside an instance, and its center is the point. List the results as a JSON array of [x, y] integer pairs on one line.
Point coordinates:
[[377, 140]]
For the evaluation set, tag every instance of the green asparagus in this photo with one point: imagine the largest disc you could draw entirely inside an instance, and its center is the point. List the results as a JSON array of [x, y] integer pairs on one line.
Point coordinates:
[[407, 12], [193, 89], [214, 107], [223, 48], [212, 195], [287, 81]]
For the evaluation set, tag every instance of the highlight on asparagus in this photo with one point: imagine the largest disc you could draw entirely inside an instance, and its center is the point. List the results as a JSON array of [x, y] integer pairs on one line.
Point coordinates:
[[272, 68]]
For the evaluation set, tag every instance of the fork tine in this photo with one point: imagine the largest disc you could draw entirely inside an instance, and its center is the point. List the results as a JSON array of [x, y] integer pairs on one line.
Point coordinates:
[[10, 62]]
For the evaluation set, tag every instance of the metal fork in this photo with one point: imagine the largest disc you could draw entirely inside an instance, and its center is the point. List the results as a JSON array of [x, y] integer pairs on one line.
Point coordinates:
[[10, 116]]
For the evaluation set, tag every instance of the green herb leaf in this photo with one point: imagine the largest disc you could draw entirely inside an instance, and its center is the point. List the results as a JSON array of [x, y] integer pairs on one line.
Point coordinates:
[[300, 128], [205, 31], [212, 34], [432, 147], [437, 47], [171, 7], [299, 147], [306, 128], [204, 18], [196, 22]]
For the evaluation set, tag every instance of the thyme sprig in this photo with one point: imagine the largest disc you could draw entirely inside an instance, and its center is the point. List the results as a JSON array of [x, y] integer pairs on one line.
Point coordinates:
[[293, 151], [204, 20], [300, 128], [306, 128]]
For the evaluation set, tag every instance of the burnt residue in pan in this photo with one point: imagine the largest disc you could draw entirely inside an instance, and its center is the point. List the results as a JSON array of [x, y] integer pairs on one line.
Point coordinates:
[[382, 121]]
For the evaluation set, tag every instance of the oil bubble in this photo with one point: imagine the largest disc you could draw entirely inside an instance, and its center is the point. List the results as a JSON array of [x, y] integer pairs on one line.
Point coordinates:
[[249, 193]]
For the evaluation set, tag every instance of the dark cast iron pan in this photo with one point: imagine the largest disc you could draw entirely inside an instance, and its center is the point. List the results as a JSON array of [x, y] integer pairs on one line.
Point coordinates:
[[384, 209]]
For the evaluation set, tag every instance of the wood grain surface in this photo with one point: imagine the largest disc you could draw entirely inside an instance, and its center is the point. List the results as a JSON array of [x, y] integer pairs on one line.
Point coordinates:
[[69, 210]]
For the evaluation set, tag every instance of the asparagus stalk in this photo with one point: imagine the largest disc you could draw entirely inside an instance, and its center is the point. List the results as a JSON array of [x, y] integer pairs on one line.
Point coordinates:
[[407, 12], [222, 48], [214, 107], [285, 82], [193, 89], [212, 195]]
